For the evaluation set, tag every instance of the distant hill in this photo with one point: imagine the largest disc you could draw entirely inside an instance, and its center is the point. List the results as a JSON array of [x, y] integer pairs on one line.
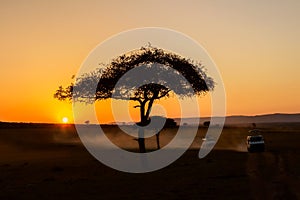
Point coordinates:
[[230, 120], [241, 119]]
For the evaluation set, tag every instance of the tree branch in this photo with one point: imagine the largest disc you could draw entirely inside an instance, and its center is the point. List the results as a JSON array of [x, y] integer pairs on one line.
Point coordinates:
[[163, 95], [135, 99], [155, 96]]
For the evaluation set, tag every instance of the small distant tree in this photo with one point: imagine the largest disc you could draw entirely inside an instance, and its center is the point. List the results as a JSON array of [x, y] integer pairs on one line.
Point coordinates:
[[106, 79], [169, 123], [206, 123]]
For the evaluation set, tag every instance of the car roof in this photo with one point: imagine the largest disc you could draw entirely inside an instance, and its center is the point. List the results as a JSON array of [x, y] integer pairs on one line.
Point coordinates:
[[254, 136], [254, 131]]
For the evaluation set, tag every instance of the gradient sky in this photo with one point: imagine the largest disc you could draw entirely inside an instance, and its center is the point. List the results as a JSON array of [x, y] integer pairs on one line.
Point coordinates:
[[255, 45]]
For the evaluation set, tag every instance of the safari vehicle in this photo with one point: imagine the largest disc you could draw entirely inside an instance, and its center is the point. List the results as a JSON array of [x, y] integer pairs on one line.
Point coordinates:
[[255, 143]]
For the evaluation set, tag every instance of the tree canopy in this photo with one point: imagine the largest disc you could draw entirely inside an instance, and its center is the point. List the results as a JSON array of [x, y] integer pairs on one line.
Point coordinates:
[[169, 68], [106, 77]]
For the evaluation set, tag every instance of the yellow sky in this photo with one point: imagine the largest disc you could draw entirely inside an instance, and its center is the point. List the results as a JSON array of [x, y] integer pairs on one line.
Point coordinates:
[[255, 45]]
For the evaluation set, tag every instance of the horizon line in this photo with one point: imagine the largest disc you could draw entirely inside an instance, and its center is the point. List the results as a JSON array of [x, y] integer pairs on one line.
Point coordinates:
[[110, 123]]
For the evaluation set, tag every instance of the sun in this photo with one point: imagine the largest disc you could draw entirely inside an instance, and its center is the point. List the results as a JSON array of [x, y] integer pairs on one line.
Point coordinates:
[[65, 120]]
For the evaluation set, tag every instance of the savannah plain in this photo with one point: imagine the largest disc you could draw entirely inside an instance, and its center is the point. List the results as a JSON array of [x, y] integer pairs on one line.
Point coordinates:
[[48, 161]]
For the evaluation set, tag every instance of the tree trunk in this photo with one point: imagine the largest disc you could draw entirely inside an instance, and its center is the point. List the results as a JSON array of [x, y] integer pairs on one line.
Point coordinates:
[[144, 121], [141, 139]]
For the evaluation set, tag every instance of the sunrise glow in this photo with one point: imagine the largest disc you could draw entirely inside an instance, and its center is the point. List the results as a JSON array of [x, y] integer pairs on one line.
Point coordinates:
[[42, 47], [65, 120]]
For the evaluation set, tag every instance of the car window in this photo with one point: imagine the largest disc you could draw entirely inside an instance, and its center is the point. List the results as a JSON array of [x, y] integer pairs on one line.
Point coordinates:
[[255, 139]]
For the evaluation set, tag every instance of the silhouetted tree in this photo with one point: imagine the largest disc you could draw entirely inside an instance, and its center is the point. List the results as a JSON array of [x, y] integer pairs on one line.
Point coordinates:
[[206, 123], [169, 123], [105, 79]]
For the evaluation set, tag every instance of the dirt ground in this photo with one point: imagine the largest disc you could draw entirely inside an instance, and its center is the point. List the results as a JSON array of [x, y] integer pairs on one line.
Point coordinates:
[[49, 162]]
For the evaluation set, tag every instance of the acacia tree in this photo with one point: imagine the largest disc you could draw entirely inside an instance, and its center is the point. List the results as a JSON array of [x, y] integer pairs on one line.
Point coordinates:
[[105, 79]]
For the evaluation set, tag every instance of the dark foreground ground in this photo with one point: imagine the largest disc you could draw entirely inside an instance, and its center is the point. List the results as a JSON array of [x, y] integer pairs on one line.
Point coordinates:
[[49, 162]]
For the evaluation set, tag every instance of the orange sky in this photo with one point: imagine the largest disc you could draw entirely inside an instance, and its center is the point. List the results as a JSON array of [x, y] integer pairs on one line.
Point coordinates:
[[255, 45]]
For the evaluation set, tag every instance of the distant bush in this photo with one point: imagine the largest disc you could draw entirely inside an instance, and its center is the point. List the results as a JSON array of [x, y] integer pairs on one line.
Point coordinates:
[[170, 123], [206, 123]]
